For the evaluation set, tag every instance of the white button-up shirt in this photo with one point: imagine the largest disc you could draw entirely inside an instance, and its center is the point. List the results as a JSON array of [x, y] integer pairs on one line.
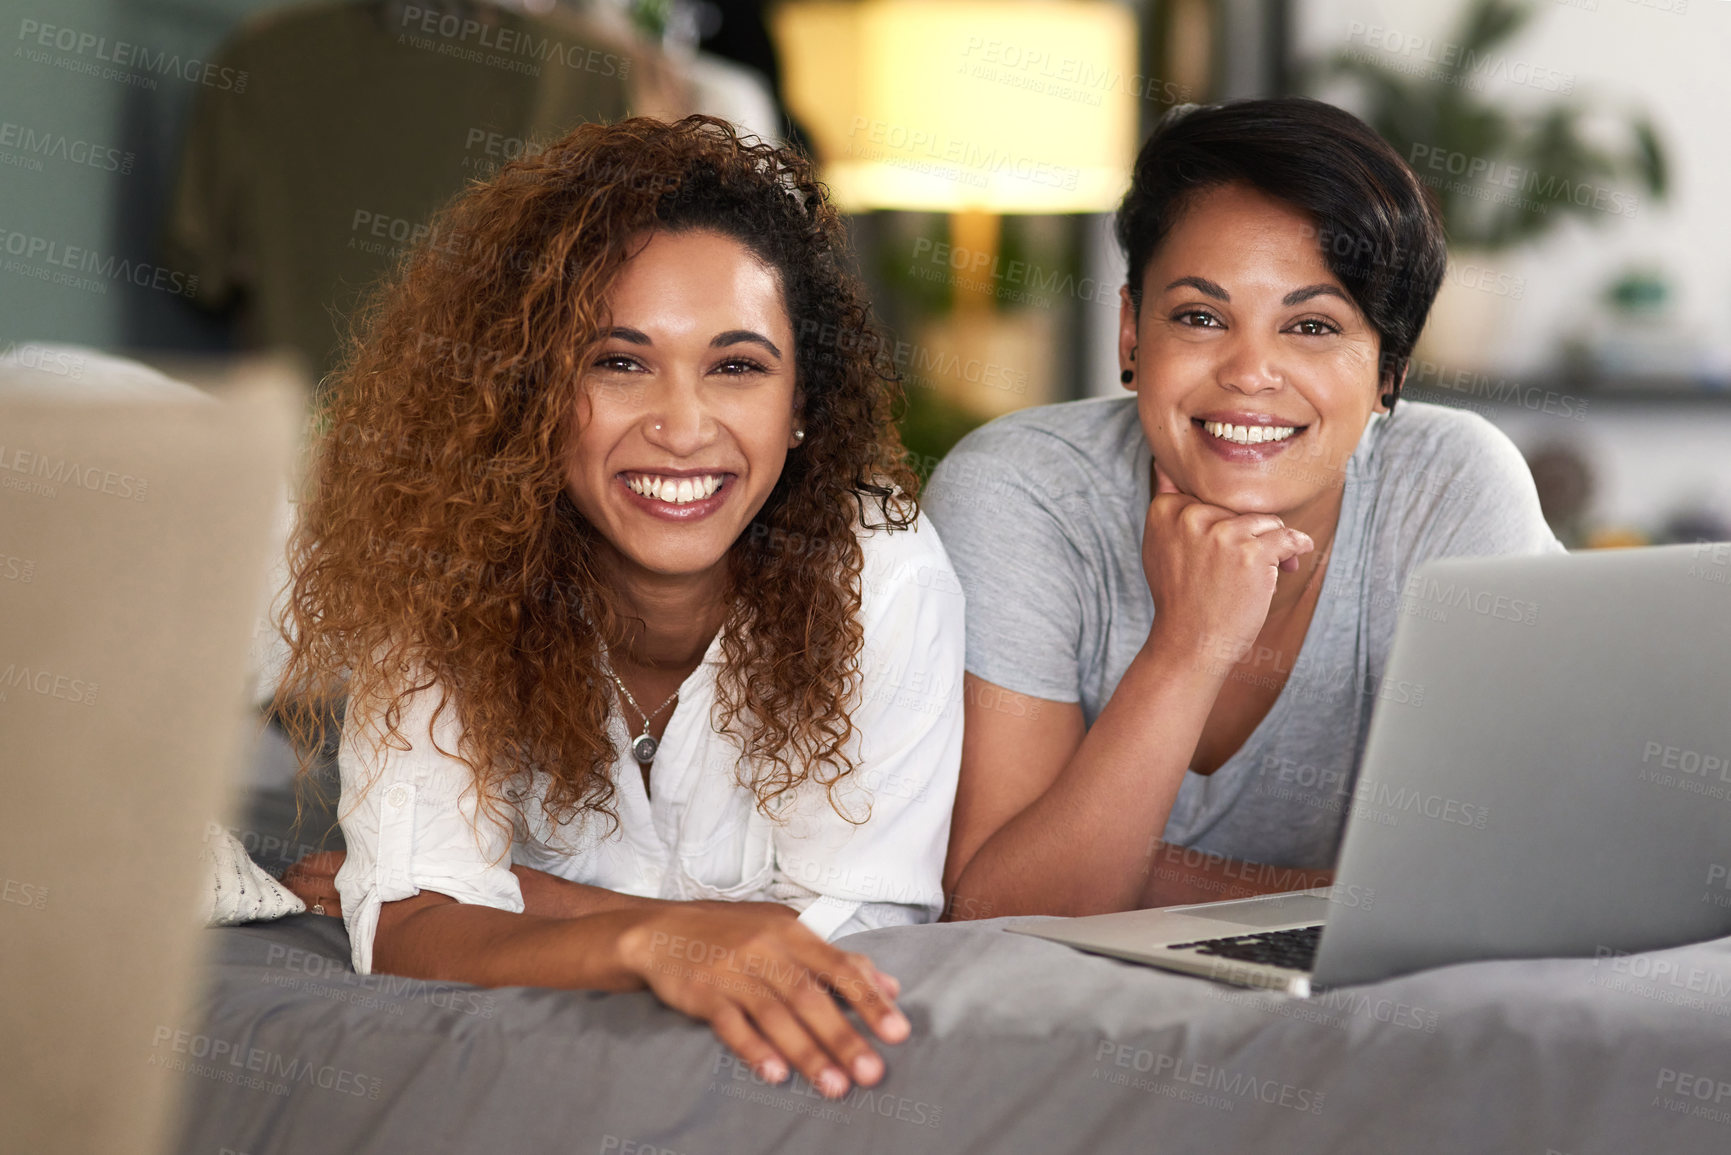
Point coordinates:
[[412, 823]]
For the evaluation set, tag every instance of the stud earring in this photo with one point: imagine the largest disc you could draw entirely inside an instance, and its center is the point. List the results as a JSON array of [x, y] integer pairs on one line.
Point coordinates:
[[799, 437], [1127, 376]]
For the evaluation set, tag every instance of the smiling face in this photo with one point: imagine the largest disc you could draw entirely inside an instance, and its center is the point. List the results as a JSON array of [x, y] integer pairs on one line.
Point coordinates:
[[688, 406], [1255, 372]]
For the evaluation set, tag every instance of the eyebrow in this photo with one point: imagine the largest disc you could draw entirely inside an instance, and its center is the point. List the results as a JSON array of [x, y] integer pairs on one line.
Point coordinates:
[[721, 340], [1201, 284], [1296, 297], [735, 336], [1299, 296]]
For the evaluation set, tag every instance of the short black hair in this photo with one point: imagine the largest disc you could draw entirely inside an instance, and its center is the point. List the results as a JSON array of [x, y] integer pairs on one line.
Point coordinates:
[[1378, 228]]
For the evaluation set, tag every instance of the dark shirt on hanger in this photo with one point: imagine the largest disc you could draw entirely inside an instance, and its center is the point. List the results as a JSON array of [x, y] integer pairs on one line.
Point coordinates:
[[357, 122]]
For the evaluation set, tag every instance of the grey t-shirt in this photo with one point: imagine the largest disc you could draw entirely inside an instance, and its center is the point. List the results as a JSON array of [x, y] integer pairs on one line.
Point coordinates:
[[1042, 513]]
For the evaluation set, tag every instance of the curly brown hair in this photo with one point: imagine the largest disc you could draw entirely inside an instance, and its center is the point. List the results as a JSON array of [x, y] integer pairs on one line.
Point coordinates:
[[437, 545]]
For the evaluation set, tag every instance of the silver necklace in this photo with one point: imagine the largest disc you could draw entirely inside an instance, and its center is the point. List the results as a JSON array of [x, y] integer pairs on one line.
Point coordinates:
[[643, 746]]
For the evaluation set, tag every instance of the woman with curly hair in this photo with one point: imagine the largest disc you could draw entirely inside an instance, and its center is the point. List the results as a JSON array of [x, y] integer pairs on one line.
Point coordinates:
[[653, 669]]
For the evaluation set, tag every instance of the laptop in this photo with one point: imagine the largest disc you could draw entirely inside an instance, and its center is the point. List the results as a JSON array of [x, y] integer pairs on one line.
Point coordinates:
[[1562, 788], [136, 526]]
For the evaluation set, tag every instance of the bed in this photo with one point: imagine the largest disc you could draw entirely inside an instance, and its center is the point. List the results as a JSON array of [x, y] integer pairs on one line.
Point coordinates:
[[1020, 1045]]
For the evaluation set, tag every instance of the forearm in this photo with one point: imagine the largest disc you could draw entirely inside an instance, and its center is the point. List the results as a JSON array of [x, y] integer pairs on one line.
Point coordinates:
[[465, 942], [550, 896], [555, 897], [1082, 847], [1181, 875]]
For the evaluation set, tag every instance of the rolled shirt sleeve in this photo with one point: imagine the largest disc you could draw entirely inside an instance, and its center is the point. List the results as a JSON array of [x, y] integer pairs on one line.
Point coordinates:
[[412, 822], [888, 871]]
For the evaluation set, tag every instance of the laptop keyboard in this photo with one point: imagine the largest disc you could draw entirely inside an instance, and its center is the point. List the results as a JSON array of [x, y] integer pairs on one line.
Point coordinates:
[[1292, 949]]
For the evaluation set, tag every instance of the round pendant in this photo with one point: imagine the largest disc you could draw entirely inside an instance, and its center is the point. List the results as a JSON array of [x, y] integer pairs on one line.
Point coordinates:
[[643, 749]]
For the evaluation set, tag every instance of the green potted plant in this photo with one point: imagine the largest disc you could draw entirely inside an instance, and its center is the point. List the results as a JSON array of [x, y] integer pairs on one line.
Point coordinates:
[[1503, 175]]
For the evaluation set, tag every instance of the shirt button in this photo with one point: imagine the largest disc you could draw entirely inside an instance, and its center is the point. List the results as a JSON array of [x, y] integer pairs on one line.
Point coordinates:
[[397, 795]]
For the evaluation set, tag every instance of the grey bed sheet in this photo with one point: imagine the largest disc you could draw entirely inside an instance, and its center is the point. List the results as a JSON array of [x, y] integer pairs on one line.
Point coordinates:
[[1020, 1045]]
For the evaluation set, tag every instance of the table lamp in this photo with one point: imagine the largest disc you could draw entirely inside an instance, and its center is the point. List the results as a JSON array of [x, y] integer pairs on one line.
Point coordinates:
[[974, 108]]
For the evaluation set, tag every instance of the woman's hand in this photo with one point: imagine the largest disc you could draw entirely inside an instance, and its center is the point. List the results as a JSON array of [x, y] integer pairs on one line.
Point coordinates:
[[1212, 572], [768, 987], [314, 881], [765, 983]]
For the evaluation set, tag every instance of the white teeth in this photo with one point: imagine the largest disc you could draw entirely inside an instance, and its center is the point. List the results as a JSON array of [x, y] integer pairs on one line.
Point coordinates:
[[1249, 434], [674, 490]]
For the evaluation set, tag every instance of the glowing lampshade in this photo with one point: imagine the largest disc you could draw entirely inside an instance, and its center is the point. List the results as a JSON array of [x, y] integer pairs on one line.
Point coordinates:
[[965, 105]]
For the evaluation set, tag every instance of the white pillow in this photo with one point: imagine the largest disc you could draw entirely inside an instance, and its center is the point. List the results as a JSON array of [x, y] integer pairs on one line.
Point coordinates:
[[238, 889]]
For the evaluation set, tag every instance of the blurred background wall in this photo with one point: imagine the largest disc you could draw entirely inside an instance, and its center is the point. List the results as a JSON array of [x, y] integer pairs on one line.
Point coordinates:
[[186, 181]]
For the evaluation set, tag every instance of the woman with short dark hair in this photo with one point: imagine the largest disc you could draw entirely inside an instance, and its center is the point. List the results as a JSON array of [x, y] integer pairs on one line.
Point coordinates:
[[1180, 604]]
